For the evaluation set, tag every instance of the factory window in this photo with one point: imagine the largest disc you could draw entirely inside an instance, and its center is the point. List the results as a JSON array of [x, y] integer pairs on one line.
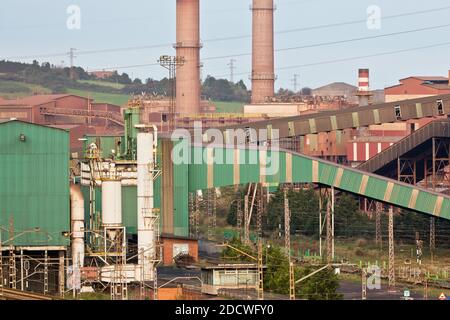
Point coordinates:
[[398, 112], [440, 107]]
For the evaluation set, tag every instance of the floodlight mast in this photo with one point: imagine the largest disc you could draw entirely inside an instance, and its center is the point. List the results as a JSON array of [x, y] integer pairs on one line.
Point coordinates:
[[171, 63]]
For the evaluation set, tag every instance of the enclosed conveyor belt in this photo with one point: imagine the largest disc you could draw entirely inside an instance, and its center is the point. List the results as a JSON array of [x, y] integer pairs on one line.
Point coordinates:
[[352, 117], [228, 166]]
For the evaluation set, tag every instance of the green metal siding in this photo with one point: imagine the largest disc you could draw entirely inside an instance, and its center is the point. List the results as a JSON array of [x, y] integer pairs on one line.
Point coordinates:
[[426, 202], [351, 181], [302, 171], [401, 195], [327, 174], [375, 188], [34, 184], [181, 200], [445, 211]]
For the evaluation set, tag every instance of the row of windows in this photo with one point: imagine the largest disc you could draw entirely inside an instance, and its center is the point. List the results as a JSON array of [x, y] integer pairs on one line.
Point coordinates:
[[439, 107]]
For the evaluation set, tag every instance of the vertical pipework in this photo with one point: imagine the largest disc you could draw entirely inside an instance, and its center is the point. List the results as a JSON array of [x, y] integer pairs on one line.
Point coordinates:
[[363, 87], [146, 219], [263, 76], [77, 225], [188, 46]]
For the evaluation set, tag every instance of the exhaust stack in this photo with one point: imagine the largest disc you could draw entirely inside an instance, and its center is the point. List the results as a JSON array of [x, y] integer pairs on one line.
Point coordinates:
[[364, 93], [188, 46], [147, 217], [77, 225], [263, 70]]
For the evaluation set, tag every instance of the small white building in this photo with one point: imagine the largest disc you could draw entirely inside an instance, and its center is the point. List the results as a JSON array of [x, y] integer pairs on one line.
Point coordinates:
[[229, 276]]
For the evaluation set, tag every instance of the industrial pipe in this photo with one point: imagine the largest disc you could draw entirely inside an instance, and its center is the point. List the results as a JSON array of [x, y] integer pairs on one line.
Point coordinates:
[[146, 217], [77, 225]]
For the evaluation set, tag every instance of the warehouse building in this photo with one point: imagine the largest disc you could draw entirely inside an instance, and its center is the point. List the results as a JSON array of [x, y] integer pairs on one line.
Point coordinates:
[[34, 204]]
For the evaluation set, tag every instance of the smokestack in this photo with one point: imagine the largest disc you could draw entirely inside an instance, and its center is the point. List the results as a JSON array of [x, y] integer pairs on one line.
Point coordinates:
[[263, 76], [188, 46], [363, 87]]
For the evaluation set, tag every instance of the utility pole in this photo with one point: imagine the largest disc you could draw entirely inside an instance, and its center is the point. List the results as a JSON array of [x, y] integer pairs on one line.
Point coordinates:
[[232, 68], [12, 269], [191, 214], [259, 210], [329, 233], [432, 237], [295, 82], [197, 216], [45, 272], [260, 271], [72, 58], [239, 213], [287, 225], [291, 281], [391, 251], [364, 284], [172, 63], [419, 247], [211, 205], [246, 224], [378, 237]]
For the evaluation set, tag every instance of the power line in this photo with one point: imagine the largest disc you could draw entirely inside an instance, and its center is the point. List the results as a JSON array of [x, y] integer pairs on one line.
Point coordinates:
[[353, 58], [165, 45], [319, 44], [335, 42]]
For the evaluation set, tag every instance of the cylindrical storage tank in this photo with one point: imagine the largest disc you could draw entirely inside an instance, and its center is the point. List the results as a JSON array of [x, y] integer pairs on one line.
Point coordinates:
[[111, 203], [146, 219], [188, 46], [263, 67], [77, 225]]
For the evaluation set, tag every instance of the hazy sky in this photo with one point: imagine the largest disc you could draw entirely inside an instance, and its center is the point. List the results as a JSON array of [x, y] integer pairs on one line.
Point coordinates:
[[38, 27]]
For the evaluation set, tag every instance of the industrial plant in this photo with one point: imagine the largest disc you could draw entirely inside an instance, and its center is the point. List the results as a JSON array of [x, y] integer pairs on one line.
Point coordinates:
[[300, 195]]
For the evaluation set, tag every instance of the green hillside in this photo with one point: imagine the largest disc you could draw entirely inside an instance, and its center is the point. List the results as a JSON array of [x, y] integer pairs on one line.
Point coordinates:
[[229, 107], [14, 89], [113, 98], [107, 84]]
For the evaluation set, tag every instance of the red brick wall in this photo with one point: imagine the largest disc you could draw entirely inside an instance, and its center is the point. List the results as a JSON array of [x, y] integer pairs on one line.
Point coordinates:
[[168, 249], [413, 86]]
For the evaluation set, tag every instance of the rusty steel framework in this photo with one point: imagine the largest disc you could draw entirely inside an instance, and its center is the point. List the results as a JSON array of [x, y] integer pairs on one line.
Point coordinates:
[[191, 214], [326, 207], [378, 233], [436, 174], [260, 271], [239, 213], [260, 210], [291, 281], [287, 225], [391, 251], [363, 284]]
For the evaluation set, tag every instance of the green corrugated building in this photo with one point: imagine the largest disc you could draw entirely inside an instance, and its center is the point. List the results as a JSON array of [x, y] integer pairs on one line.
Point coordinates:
[[34, 185]]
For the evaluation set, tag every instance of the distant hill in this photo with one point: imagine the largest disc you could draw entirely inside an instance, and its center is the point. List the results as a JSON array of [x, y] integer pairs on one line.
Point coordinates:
[[23, 79]]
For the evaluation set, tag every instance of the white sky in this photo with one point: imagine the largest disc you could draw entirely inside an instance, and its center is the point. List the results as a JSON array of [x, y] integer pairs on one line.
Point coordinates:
[[35, 27]]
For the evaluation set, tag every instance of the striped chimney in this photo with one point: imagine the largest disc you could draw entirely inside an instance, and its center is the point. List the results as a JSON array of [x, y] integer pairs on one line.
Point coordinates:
[[363, 80]]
